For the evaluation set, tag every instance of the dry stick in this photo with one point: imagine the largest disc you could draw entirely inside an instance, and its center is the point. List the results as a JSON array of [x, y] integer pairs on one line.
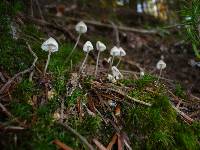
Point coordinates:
[[122, 28], [97, 63], [99, 145], [14, 128], [31, 76], [47, 63], [5, 110], [2, 77], [131, 98], [183, 114], [77, 134], [61, 145], [112, 142], [7, 84]]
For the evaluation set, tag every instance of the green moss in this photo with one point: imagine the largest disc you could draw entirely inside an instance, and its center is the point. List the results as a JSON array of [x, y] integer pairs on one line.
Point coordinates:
[[25, 90], [145, 80], [21, 110], [179, 91], [141, 82]]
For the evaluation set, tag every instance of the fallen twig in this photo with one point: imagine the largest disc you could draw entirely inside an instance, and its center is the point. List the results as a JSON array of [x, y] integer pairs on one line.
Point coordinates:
[[131, 98], [2, 77], [77, 134], [5, 110], [112, 142], [122, 28], [13, 128], [61, 145], [186, 117], [8, 83], [99, 145]]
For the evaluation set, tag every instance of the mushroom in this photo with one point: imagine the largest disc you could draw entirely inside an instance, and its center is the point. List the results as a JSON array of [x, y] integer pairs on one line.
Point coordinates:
[[122, 53], [87, 47], [116, 73], [115, 51], [111, 78], [141, 73], [100, 47], [81, 28], [160, 66], [50, 46]]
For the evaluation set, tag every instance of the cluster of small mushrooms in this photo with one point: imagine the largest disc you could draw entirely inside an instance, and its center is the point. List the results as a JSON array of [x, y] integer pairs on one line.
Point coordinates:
[[51, 46]]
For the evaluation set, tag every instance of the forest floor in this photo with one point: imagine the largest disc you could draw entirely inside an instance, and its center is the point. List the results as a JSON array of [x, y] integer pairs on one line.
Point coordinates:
[[62, 109]]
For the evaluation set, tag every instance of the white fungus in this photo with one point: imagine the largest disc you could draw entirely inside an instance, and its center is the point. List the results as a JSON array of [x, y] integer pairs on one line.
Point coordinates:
[[87, 47], [161, 65], [50, 45], [116, 73], [81, 27]]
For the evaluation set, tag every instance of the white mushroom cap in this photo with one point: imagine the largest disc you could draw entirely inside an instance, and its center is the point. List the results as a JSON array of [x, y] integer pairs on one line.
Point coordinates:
[[50, 45], [122, 52], [87, 47], [81, 27], [116, 73], [115, 51], [100, 46], [161, 64], [141, 73]]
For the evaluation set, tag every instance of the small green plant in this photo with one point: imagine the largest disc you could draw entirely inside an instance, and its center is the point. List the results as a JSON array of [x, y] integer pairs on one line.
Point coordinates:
[[191, 20]]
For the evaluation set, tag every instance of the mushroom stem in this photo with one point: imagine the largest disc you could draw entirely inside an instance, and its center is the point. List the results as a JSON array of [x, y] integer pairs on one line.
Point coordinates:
[[159, 76], [81, 69], [120, 58], [77, 41], [97, 63], [47, 63], [111, 63]]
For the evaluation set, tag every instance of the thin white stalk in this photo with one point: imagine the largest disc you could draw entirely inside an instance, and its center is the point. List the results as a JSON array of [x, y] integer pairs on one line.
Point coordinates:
[[77, 41], [120, 58], [47, 63], [71, 64], [111, 63], [97, 63], [159, 77], [81, 69]]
